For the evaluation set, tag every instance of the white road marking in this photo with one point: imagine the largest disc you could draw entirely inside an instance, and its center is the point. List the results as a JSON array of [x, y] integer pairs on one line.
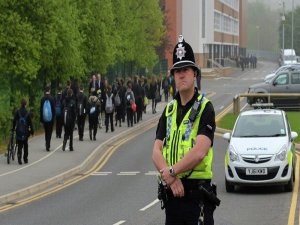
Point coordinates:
[[33, 163], [222, 107], [128, 173], [120, 222], [151, 173], [149, 205], [101, 173]]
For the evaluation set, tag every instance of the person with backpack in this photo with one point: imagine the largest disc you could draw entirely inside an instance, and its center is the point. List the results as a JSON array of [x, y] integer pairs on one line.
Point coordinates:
[[109, 103], [119, 102], [22, 124], [82, 102], [94, 109], [47, 115], [58, 113], [129, 99], [69, 114]]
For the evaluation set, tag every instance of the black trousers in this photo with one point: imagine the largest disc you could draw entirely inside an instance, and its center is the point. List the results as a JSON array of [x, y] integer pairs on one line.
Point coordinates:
[[109, 117], [59, 125], [80, 124], [186, 210], [22, 145], [93, 124], [48, 127], [69, 134]]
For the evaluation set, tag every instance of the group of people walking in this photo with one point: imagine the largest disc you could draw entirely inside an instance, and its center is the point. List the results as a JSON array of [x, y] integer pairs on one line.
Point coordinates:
[[71, 107]]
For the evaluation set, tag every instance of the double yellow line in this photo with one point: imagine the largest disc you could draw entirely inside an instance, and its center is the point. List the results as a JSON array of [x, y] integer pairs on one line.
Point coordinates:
[[97, 166]]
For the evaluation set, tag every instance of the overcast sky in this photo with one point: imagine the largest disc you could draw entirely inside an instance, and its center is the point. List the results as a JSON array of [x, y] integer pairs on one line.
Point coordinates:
[[276, 4]]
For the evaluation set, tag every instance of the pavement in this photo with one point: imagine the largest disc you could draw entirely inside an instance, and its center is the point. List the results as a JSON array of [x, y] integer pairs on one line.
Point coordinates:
[[49, 169]]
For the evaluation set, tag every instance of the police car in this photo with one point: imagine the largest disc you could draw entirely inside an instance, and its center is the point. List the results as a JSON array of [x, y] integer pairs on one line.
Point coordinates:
[[261, 150]]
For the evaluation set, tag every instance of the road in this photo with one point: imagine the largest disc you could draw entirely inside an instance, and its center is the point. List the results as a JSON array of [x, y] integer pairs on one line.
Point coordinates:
[[123, 191]]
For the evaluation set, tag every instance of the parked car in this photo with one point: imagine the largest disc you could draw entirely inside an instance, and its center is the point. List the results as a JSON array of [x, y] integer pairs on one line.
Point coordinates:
[[261, 150], [284, 82], [295, 66]]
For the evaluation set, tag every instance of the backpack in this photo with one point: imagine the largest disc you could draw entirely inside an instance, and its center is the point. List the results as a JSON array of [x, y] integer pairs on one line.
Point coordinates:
[[93, 108], [47, 112], [109, 107], [22, 127], [129, 98], [58, 109], [117, 99]]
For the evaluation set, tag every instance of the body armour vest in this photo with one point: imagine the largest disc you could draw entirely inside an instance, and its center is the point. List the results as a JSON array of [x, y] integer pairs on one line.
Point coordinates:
[[180, 140]]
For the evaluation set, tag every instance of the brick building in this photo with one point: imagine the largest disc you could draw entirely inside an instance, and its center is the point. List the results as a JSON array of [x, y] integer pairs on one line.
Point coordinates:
[[214, 28]]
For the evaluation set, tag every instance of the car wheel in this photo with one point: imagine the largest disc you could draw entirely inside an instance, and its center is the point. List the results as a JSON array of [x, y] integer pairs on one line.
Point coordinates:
[[260, 100], [290, 185], [229, 187]]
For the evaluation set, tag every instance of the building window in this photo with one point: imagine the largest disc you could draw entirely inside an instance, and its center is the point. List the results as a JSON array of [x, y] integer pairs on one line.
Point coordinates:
[[232, 3], [217, 21]]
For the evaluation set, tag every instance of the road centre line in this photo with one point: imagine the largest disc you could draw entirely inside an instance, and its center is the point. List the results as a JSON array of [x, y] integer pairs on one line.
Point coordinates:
[[128, 173], [149, 205], [120, 222]]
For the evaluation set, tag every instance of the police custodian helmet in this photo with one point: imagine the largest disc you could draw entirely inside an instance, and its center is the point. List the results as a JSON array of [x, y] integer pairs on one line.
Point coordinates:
[[183, 56]]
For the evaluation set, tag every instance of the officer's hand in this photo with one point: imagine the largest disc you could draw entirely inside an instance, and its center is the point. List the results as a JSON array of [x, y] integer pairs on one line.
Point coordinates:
[[166, 176], [177, 188]]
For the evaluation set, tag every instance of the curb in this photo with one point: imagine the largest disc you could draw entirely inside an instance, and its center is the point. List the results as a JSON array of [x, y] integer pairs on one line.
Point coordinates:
[[13, 197]]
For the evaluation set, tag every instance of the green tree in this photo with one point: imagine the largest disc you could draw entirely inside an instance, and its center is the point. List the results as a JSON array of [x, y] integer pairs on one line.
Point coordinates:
[[97, 26]]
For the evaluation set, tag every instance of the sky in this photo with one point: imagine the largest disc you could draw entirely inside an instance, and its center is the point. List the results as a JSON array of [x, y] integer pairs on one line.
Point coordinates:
[[277, 4]]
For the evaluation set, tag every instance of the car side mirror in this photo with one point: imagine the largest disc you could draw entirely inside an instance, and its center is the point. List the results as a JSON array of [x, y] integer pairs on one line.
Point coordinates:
[[294, 135], [227, 136], [274, 83]]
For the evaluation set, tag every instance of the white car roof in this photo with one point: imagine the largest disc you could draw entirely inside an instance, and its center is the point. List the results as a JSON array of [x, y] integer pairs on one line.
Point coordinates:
[[262, 111]]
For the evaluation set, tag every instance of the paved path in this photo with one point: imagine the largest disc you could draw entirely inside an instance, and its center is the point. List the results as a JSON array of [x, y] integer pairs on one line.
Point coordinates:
[[46, 169]]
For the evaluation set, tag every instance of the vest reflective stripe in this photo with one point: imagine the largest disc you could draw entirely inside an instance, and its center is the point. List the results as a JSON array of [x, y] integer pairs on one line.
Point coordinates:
[[180, 140]]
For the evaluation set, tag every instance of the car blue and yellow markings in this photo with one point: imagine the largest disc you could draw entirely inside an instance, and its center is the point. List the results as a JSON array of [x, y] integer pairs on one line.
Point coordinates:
[[226, 159], [290, 158]]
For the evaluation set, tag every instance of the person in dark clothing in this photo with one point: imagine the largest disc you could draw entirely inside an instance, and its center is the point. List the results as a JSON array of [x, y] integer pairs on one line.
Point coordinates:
[[138, 96], [120, 112], [109, 108], [82, 104], [129, 99], [47, 115], [22, 124], [69, 106], [58, 113], [94, 109], [152, 93], [146, 90]]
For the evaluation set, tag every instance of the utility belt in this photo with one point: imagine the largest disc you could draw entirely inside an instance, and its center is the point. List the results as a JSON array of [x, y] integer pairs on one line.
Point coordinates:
[[201, 190]]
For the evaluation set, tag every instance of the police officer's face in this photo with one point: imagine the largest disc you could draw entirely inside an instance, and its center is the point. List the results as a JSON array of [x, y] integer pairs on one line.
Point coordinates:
[[184, 79]]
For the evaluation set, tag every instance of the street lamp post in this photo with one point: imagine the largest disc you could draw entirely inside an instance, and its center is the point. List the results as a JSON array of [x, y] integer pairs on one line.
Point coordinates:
[[258, 44], [283, 19], [292, 24]]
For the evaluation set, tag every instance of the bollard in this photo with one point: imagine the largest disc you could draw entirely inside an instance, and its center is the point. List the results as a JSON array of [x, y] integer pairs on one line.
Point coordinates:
[[236, 105]]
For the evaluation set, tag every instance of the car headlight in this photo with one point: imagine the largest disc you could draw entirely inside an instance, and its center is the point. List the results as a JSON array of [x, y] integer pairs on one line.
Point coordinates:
[[282, 154], [233, 156]]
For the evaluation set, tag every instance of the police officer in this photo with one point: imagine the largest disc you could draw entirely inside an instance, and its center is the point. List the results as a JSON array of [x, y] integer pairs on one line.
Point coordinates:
[[182, 150]]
